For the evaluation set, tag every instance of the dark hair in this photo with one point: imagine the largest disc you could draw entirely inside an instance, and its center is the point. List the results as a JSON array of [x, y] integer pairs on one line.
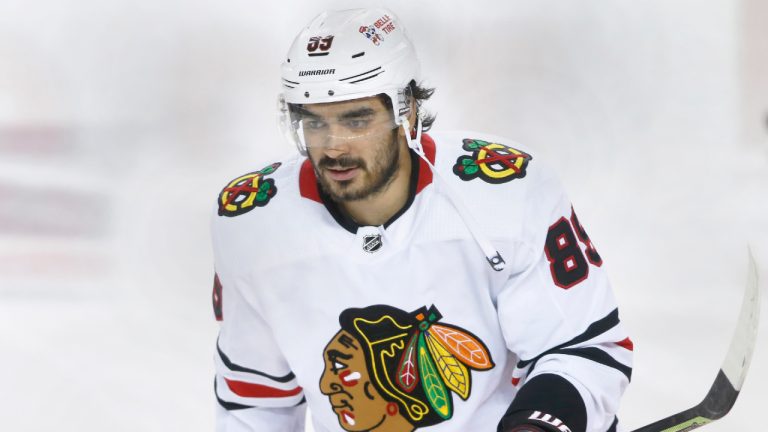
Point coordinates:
[[422, 94]]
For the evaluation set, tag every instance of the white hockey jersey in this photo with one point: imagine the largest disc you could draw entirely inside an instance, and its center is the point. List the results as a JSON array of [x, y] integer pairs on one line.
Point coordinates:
[[406, 326]]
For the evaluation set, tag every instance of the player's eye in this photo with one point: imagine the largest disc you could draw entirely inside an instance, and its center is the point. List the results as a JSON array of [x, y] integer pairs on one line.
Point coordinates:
[[357, 123], [314, 124]]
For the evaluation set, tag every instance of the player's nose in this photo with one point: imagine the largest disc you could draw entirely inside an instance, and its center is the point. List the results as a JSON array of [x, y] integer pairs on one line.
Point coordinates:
[[335, 147], [338, 137]]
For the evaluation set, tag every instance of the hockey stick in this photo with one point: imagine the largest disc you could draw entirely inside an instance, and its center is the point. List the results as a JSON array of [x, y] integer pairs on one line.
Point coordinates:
[[730, 378]]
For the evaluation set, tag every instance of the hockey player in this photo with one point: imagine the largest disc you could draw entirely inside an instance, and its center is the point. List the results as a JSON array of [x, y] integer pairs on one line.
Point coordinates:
[[394, 280]]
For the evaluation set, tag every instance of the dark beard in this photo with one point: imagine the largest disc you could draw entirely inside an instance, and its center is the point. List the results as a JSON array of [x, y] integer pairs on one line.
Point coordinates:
[[382, 175]]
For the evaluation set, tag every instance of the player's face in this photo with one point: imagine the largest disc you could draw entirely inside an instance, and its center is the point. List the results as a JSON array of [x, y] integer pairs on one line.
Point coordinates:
[[353, 146], [345, 381]]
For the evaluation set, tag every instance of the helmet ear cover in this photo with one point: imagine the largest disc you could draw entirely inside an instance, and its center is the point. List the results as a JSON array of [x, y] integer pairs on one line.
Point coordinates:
[[403, 105]]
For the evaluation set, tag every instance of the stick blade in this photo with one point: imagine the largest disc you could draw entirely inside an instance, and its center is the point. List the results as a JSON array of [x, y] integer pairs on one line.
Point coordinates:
[[736, 363], [730, 378]]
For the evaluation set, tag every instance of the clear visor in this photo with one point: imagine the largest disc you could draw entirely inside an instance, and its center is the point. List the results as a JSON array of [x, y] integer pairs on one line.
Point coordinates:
[[337, 123]]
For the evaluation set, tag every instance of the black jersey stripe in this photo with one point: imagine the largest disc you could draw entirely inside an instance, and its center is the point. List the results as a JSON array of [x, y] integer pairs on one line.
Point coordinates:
[[595, 329], [237, 368], [598, 356], [591, 353], [613, 425]]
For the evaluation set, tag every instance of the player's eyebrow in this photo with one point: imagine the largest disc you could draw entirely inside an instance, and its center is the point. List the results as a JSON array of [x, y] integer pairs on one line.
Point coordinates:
[[360, 112], [355, 113], [300, 110]]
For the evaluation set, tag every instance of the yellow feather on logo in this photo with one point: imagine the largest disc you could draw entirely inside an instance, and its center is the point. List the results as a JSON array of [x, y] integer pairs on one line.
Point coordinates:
[[455, 375]]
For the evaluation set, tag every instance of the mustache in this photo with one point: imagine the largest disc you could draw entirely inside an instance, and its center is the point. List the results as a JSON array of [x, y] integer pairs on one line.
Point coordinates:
[[342, 162]]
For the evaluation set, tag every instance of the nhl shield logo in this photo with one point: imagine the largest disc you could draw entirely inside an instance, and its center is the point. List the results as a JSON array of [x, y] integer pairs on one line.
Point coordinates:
[[372, 243]]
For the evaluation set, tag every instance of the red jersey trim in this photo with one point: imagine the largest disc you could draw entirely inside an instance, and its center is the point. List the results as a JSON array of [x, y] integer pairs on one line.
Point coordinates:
[[250, 390], [308, 181], [425, 173], [626, 344]]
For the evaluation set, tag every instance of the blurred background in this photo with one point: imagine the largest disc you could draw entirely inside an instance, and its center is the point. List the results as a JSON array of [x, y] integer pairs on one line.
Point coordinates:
[[121, 120]]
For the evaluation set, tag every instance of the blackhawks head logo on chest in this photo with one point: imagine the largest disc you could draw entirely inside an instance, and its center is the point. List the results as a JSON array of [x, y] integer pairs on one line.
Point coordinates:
[[391, 370], [492, 162]]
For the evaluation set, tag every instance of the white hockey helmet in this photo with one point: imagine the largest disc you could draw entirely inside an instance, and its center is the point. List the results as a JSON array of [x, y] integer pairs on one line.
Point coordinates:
[[344, 55]]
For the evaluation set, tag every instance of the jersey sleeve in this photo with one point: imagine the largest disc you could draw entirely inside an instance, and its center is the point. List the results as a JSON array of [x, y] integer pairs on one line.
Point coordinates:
[[558, 314], [254, 385]]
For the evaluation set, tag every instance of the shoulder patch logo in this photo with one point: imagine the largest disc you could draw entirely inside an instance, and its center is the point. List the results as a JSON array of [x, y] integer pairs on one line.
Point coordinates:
[[246, 192], [492, 162], [398, 370]]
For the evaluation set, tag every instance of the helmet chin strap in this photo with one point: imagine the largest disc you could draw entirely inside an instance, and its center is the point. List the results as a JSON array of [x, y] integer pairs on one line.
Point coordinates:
[[491, 254], [414, 142]]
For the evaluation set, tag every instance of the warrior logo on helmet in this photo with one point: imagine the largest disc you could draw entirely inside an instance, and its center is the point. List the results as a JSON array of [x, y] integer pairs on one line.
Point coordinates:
[[492, 162], [246, 192], [387, 369]]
